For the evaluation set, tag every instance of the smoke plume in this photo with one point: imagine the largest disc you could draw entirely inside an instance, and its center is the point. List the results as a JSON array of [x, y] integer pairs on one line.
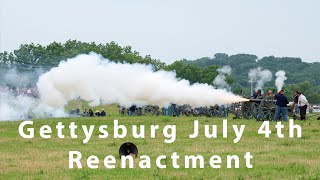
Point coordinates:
[[260, 77], [220, 80], [281, 77], [100, 81], [17, 97], [15, 107], [13, 78]]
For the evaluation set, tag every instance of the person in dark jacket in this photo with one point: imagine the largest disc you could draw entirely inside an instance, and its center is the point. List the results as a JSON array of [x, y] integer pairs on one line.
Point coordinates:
[[91, 114], [103, 113], [281, 106], [257, 94], [132, 110], [97, 113]]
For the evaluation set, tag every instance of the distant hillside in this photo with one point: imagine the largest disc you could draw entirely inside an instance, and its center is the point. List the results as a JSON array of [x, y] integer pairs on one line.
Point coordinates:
[[299, 73], [297, 70]]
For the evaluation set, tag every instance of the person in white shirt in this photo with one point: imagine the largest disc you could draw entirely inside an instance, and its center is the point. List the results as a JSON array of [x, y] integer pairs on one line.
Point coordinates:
[[303, 105]]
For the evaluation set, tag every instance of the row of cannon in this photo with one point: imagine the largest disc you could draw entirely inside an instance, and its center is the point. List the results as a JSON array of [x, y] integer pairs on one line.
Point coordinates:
[[175, 110], [261, 108]]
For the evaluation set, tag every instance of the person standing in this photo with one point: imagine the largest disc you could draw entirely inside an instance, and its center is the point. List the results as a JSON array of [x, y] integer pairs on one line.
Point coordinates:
[[281, 106], [223, 110], [296, 107], [169, 113], [175, 111], [164, 111], [132, 110], [303, 105]]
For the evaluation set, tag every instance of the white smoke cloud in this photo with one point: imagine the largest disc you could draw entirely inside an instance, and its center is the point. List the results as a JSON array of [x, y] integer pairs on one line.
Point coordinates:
[[281, 77], [260, 77], [15, 107], [14, 78], [225, 70], [220, 80], [100, 81]]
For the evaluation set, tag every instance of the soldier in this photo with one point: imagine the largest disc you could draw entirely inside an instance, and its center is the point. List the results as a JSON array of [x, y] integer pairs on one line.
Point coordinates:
[[223, 110], [85, 113], [269, 93], [91, 114], [77, 111], [257, 94], [97, 113], [175, 111], [103, 113], [281, 106], [164, 111], [296, 107], [132, 110], [170, 109]]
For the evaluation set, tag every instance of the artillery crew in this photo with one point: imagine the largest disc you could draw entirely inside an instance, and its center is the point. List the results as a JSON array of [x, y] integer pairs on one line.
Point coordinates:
[[295, 107], [132, 110], [102, 113], [91, 114], [223, 110], [269, 93], [281, 106], [85, 113], [97, 113], [257, 94]]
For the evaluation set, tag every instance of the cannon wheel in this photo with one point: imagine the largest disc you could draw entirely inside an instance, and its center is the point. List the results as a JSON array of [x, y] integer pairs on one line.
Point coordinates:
[[151, 110], [185, 110], [139, 111], [266, 109], [255, 109], [246, 110], [195, 112], [212, 111], [236, 110]]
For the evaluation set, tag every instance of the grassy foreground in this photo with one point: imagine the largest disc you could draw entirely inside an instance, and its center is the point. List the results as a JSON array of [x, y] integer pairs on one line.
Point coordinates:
[[273, 158]]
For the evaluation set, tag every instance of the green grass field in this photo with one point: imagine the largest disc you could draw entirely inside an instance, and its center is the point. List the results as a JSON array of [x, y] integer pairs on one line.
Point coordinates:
[[273, 158]]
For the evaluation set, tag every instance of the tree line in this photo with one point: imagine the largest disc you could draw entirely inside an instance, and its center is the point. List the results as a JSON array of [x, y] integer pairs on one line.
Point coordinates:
[[301, 75]]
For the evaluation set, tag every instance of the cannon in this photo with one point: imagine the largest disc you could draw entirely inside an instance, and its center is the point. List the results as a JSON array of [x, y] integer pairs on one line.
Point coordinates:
[[123, 111], [185, 110], [151, 110], [211, 111], [261, 108]]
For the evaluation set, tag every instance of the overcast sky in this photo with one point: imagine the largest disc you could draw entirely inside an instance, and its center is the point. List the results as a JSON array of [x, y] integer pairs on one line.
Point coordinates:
[[170, 29]]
